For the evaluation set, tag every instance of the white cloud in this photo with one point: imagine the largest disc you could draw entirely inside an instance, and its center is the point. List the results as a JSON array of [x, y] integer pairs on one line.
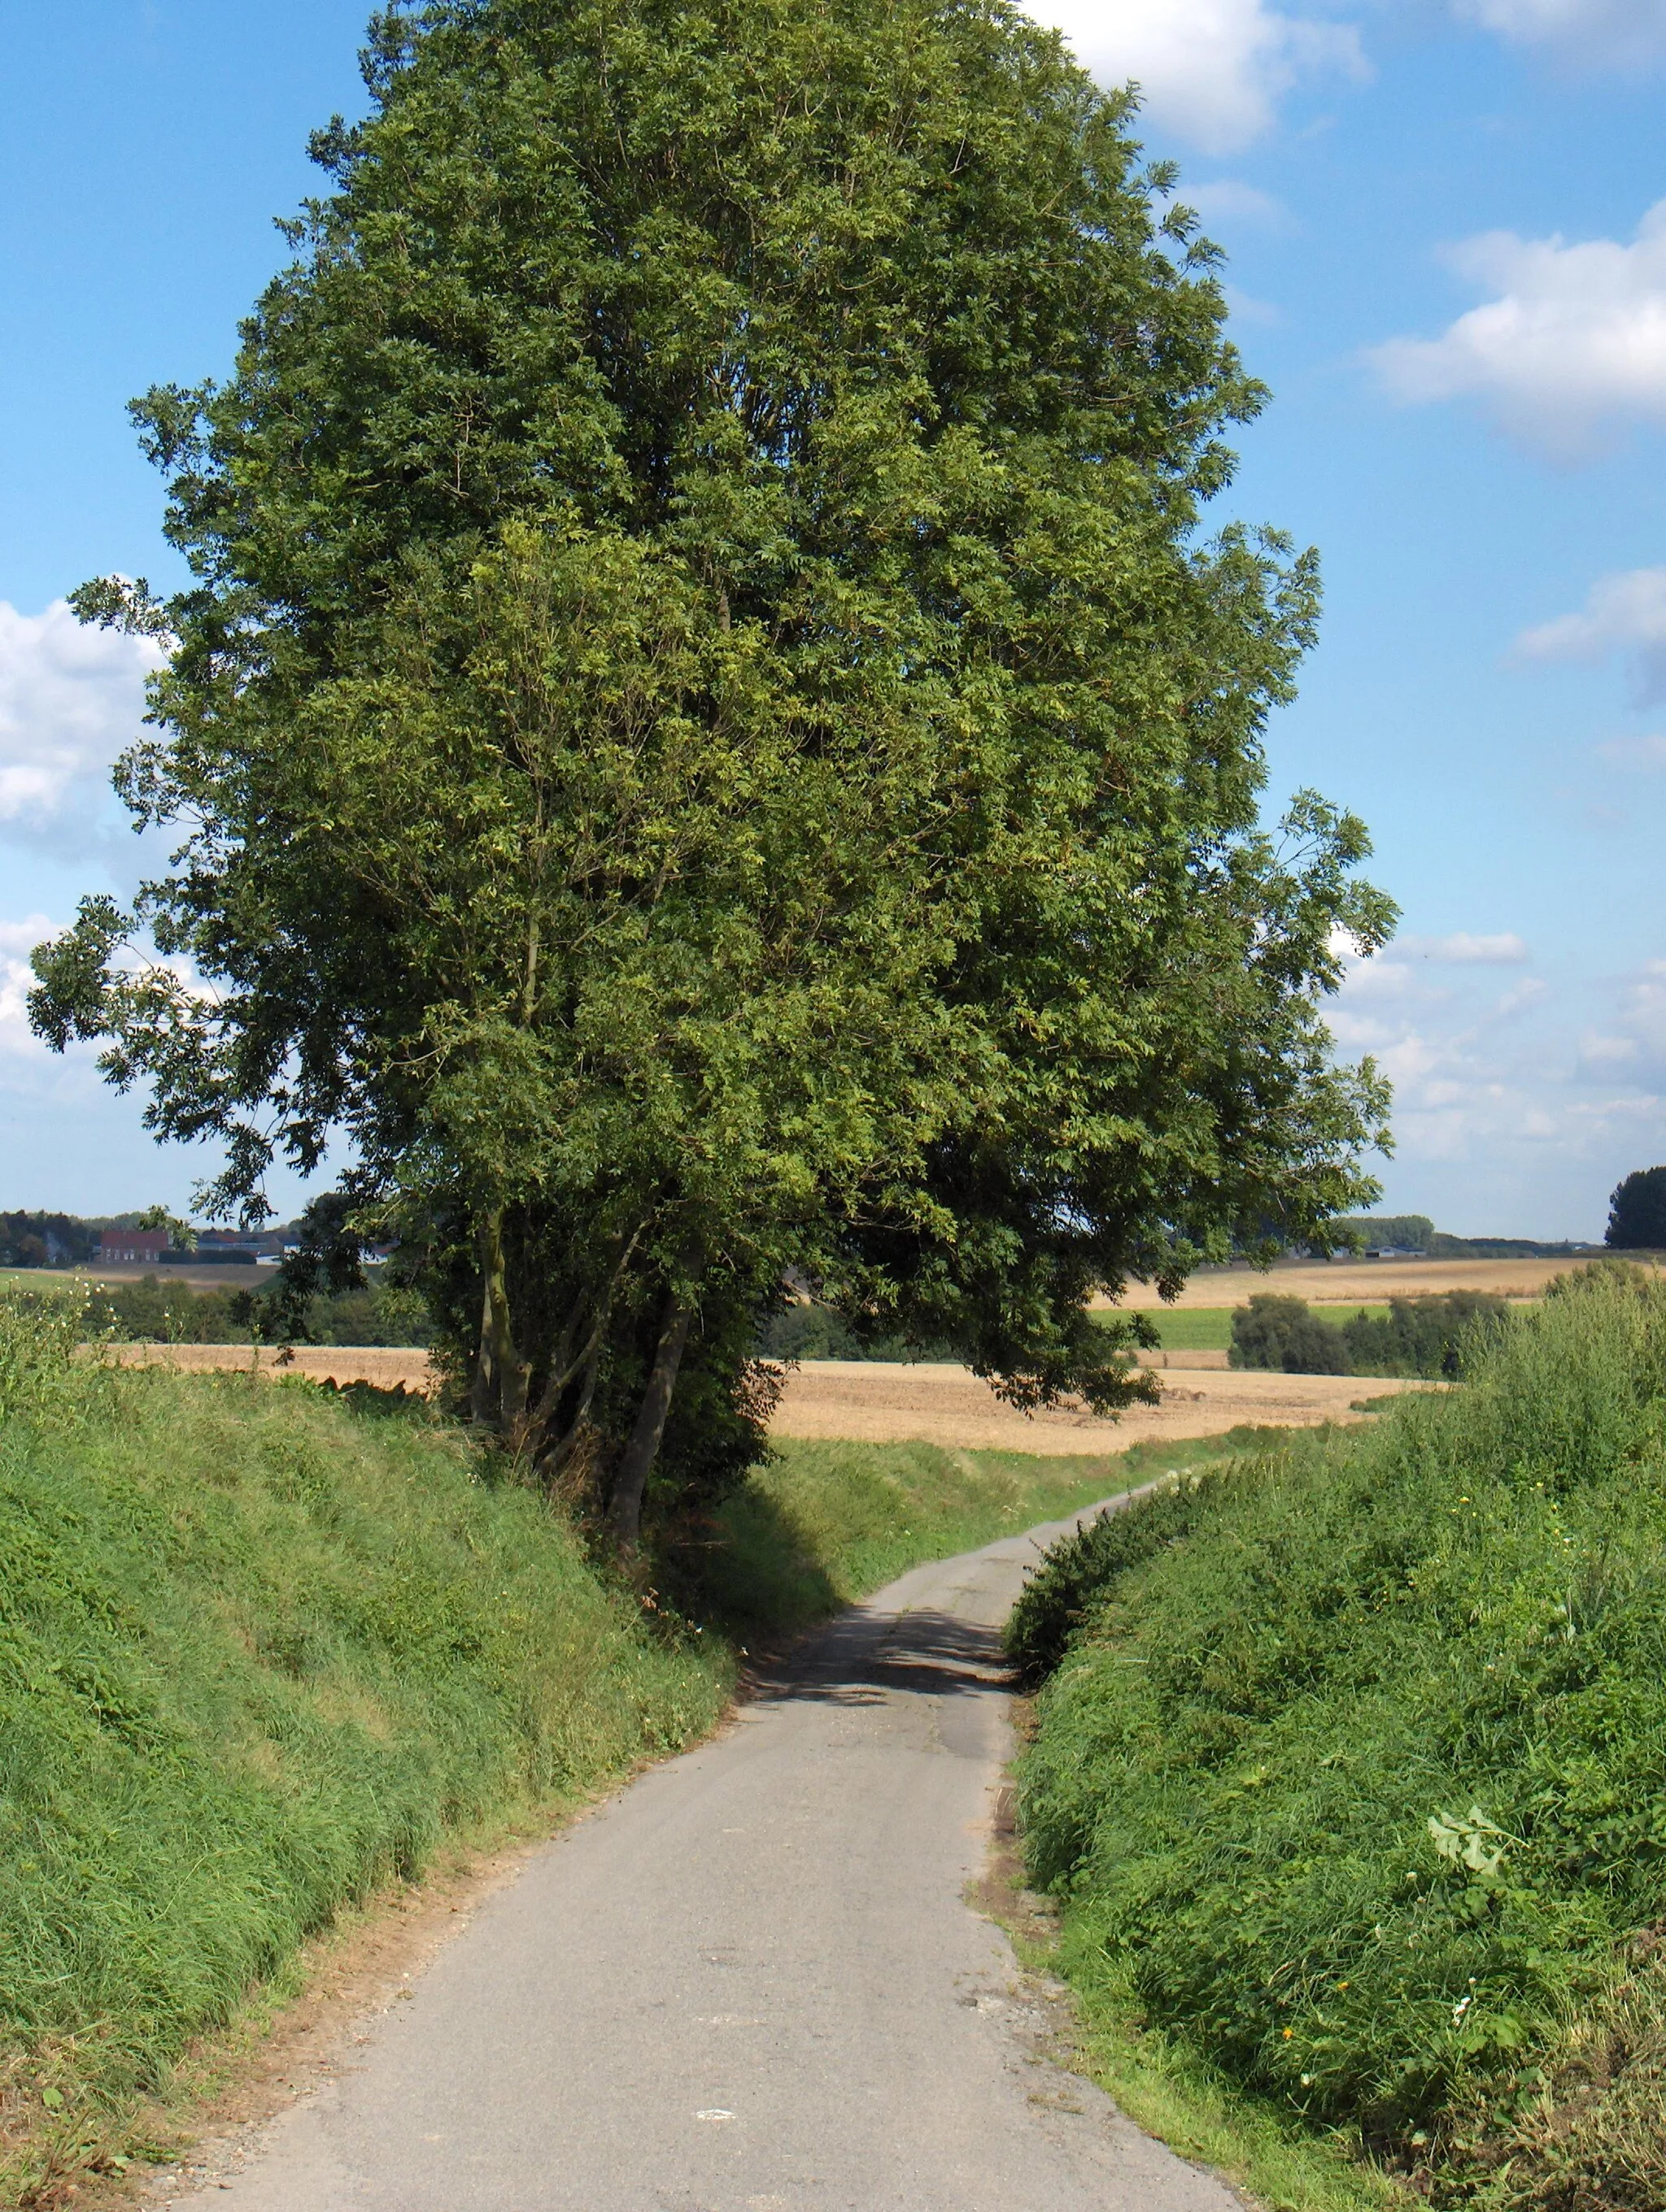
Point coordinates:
[[71, 699], [1211, 70], [1644, 753], [1572, 346], [17, 940], [1464, 951], [1226, 200], [1624, 613], [1502, 1084], [1592, 30], [1634, 1047]]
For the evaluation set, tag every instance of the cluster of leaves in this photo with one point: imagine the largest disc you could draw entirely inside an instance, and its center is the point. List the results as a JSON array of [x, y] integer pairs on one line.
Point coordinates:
[[1284, 1334], [1434, 1336], [1357, 1778], [1438, 1337]]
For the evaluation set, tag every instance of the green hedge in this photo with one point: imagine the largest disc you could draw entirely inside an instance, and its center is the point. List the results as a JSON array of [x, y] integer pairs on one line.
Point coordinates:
[[1434, 1336]]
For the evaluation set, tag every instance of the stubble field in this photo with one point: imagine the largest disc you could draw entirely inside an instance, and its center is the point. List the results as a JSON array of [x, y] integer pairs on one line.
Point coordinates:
[[885, 1401]]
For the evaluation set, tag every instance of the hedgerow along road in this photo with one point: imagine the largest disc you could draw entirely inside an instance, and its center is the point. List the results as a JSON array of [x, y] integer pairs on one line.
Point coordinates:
[[752, 1983]]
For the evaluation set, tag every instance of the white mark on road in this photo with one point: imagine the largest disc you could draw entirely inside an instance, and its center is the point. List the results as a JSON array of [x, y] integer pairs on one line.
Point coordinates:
[[714, 2113]]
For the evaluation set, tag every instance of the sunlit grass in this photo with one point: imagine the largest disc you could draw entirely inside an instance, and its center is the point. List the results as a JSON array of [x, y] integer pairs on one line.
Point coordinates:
[[1351, 1779]]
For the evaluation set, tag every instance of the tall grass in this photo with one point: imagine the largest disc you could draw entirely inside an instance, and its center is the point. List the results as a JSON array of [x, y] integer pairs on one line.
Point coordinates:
[[1354, 1782], [257, 1653], [262, 1647], [825, 1523]]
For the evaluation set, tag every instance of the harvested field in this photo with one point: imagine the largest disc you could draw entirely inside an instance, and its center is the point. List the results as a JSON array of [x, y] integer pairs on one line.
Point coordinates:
[[876, 1402], [1354, 1282], [883, 1401], [375, 1363]]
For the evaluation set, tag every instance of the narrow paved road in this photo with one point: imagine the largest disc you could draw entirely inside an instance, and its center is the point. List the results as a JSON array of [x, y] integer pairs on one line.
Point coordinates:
[[749, 1983]]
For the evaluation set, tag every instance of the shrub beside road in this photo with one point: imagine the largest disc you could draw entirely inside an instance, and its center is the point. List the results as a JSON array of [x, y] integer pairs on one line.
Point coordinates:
[[1432, 1336]]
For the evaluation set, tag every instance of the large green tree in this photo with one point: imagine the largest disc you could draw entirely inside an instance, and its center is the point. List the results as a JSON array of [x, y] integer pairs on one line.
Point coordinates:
[[708, 739]]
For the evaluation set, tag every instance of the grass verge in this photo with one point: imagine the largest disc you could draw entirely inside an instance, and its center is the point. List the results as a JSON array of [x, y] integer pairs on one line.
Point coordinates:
[[1098, 2028], [1350, 1776], [826, 1523], [258, 1654], [1175, 2095]]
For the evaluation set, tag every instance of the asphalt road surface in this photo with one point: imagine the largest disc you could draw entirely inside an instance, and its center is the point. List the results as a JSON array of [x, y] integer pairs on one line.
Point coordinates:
[[751, 1982]]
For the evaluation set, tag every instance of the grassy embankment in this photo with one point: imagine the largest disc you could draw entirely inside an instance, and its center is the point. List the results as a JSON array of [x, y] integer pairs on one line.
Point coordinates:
[[827, 1522], [257, 1654], [261, 1650], [1352, 1781]]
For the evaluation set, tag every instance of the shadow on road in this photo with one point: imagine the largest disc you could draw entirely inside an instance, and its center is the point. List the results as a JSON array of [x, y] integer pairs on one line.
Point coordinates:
[[864, 1658]]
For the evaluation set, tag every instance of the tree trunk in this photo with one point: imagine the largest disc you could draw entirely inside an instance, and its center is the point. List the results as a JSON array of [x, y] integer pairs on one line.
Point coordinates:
[[625, 1510], [502, 1369], [480, 1395]]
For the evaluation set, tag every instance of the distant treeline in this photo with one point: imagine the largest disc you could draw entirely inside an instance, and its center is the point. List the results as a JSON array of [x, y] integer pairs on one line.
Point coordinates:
[[1416, 1232], [54, 1240], [152, 1311], [1426, 1336]]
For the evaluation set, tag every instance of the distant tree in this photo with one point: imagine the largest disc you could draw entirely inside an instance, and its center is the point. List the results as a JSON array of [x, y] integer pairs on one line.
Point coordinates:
[[1636, 1212], [1431, 1336], [1286, 1334], [45, 1240], [1406, 1232], [706, 735]]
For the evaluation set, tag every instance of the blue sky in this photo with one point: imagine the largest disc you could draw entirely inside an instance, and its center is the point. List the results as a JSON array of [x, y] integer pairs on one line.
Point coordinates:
[[1443, 260]]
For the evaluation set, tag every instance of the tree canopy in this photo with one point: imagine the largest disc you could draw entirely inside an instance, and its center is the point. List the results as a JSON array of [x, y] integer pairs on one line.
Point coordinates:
[[708, 736]]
